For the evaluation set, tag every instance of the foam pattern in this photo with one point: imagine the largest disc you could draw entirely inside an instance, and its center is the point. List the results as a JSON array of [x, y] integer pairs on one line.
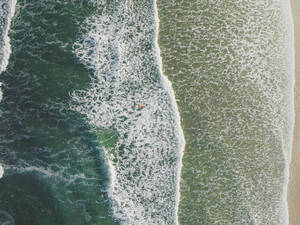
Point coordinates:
[[118, 47], [7, 10], [231, 67], [1, 171]]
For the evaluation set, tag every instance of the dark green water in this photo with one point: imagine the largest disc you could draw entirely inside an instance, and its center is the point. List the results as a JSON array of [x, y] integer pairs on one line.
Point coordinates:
[[76, 148], [54, 167]]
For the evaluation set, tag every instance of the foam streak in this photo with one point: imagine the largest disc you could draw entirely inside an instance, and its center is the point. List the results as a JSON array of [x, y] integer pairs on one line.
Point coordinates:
[[7, 11], [168, 86]]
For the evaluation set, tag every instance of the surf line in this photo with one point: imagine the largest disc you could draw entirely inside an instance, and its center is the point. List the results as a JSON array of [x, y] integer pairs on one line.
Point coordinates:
[[168, 87], [291, 40], [6, 48], [6, 41]]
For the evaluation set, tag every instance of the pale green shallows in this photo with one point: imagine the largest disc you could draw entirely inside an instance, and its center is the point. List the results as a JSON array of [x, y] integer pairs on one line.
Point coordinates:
[[230, 66]]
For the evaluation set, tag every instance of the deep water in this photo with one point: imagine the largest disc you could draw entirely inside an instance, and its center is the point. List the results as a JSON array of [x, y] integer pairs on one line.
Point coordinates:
[[55, 172]]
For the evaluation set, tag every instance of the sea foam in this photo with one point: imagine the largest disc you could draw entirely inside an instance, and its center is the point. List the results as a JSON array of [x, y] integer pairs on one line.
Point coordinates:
[[168, 86], [233, 76], [145, 144], [1, 171], [7, 11], [287, 9]]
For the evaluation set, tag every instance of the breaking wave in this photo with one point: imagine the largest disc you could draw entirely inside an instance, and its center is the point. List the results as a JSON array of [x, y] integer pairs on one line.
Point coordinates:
[[130, 105]]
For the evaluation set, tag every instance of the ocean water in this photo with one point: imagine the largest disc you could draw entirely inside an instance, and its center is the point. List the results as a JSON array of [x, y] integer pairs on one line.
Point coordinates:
[[6, 13], [76, 147], [231, 67], [145, 112], [141, 144], [54, 169]]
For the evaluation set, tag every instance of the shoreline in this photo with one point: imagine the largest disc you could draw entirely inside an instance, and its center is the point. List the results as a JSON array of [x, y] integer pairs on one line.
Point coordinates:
[[293, 194]]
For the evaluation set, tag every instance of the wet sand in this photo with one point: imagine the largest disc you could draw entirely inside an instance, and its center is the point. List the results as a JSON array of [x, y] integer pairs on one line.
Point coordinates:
[[294, 182]]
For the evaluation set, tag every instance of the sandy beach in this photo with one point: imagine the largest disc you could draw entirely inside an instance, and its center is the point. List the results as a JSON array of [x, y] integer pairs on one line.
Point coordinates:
[[294, 182]]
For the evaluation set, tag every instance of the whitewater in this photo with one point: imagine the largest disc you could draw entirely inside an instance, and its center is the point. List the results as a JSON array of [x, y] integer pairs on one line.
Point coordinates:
[[7, 11], [233, 77], [144, 146]]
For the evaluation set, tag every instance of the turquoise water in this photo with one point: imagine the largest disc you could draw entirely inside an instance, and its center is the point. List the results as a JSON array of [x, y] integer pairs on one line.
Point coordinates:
[[90, 131]]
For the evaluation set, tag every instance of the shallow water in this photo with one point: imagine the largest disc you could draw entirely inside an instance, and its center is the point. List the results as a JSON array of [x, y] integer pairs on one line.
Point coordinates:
[[230, 64]]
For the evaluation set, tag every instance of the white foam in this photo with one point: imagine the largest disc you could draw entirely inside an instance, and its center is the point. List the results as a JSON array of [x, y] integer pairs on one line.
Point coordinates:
[[1, 95], [62, 173], [168, 86], [256, 43], [146, 159], [1, 171], [5, 48]]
